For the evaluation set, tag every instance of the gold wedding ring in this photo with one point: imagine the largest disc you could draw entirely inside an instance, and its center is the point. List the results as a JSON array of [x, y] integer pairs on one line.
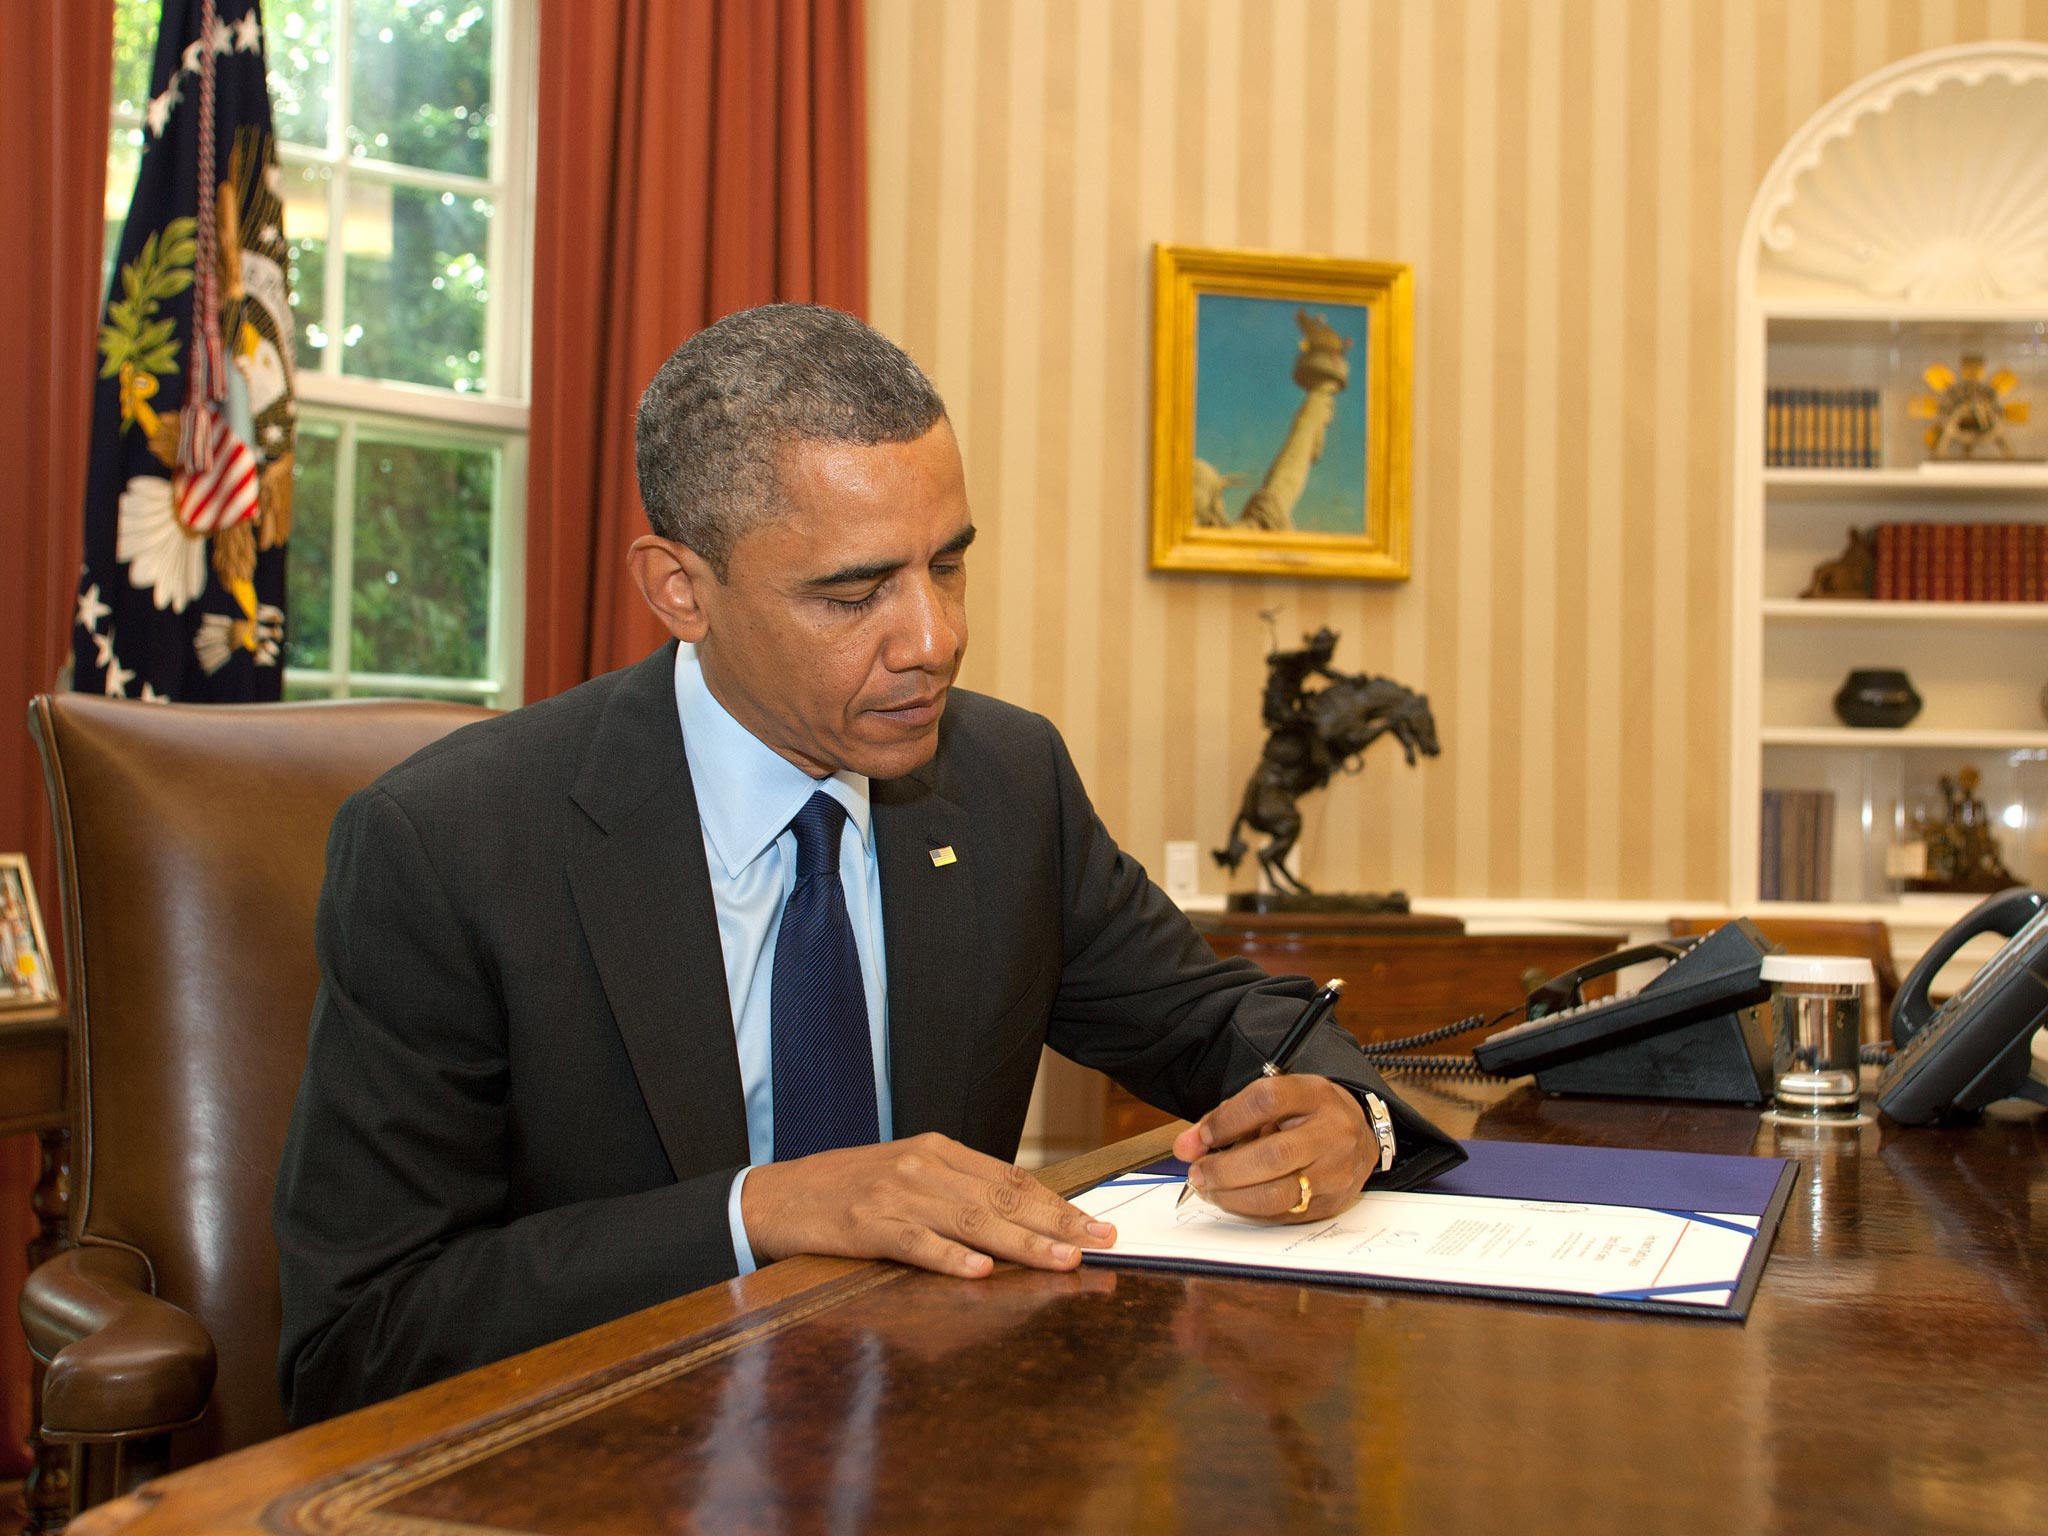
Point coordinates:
[[1302, 1204]]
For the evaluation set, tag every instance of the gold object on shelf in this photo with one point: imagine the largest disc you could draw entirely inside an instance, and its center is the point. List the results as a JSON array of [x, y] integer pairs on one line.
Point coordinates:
[[1967, 409], [1962, 855]]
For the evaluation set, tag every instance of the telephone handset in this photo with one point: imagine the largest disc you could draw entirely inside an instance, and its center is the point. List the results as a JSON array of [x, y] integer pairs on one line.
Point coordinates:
[[1566, 990], [1693, 1031], [1977, 1047]]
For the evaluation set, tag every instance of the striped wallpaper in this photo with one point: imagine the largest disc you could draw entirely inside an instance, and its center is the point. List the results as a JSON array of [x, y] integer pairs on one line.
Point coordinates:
[[1569, 179]]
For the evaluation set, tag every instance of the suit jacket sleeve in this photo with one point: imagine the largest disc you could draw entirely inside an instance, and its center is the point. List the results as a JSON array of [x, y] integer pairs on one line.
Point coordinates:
[[404, 1255], [1144, 999]]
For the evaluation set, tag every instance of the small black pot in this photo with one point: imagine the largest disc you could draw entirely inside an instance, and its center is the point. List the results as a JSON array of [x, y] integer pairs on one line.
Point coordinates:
[[1877, 698]]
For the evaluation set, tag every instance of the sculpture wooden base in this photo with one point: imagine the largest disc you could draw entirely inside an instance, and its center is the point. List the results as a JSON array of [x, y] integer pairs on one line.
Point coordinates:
[[1323, 901]]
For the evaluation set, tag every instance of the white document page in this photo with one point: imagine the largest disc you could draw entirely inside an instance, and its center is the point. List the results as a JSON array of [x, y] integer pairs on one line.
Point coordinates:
[[1434, 1239]]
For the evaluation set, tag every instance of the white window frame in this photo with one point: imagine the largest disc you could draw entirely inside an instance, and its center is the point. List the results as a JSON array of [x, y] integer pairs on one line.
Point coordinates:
[[498, 416]]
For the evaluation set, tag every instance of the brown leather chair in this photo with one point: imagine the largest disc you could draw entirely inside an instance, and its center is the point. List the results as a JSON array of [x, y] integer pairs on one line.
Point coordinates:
[[1826, 936], [191, 846]]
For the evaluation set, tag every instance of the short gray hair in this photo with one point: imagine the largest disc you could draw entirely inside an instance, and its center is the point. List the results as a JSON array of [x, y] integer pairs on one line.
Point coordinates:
[[720, 411]]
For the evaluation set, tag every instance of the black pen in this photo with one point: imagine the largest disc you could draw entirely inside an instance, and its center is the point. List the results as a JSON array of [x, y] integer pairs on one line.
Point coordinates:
[[1291, 1043]]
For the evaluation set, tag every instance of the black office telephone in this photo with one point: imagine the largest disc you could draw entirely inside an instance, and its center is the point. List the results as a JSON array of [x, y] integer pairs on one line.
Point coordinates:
[[1693, 1031], [1696, 1030], [1977, 1047]]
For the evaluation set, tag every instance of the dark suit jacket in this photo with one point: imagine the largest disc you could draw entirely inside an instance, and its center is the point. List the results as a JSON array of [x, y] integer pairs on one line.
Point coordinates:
[[521, 1112]]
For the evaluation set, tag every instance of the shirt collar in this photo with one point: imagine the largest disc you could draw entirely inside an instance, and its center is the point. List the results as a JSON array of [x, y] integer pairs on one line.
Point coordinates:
[[747, 793]]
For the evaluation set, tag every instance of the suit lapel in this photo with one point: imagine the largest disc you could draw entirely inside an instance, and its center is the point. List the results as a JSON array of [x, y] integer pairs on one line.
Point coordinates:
[[928, 925], [644, 897]]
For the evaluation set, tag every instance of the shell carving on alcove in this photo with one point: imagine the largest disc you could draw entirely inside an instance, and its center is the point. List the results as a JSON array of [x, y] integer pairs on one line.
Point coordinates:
[[1926, 183]]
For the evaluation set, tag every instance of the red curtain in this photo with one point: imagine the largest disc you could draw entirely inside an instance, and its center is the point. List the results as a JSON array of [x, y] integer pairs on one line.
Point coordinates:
[[695, 157], [55, 88]]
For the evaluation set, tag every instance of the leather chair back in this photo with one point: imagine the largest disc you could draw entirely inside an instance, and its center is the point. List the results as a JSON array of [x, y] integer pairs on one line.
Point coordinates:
[[191, 847]]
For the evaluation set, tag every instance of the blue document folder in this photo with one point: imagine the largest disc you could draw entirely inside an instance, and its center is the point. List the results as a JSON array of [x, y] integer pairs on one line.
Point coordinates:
[[1743, 1196]]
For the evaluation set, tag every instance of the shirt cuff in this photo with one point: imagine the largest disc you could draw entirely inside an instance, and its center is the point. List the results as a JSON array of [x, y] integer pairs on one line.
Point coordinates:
[[742, 1250]]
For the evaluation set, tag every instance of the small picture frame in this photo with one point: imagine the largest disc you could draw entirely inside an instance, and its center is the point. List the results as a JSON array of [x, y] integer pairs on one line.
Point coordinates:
[[1282, 397], [26, 979]]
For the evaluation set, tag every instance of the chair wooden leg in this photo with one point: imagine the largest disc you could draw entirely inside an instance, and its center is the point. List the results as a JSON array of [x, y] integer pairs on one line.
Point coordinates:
[[137, 1461], [96, 1473], [48, 1494]]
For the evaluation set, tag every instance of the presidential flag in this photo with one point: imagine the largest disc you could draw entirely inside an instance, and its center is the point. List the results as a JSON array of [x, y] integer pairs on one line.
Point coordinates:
[[189, 497]]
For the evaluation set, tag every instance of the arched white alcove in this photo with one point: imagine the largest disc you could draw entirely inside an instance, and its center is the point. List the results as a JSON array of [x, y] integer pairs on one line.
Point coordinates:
[[1906, 221]]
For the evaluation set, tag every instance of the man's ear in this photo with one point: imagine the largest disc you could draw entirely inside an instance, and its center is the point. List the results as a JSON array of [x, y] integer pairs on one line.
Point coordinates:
[[674, 579]]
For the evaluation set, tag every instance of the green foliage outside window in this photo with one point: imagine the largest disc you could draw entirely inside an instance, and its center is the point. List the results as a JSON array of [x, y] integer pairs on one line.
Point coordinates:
[[421, 589]]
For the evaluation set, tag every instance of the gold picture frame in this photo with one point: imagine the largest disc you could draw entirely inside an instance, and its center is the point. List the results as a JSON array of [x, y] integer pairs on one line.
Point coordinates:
[[26, 979], [1297, 372]]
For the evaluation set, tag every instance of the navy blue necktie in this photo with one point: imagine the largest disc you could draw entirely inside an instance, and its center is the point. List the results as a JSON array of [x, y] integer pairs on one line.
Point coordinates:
[[824, 1064]]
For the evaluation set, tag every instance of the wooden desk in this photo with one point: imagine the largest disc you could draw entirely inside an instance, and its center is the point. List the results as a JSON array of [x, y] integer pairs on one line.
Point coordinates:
[[1893, 1377]]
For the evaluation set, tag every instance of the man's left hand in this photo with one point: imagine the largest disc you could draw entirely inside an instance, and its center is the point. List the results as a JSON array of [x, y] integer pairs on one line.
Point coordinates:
[[1249, 1154]]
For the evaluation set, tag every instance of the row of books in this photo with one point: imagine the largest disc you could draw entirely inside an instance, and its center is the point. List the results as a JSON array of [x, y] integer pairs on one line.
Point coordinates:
[[1796, 849], [1961, 562], [1821, 429]]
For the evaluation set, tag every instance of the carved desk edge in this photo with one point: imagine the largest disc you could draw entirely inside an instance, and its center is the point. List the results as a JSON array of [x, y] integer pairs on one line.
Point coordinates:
[[332, 1477]]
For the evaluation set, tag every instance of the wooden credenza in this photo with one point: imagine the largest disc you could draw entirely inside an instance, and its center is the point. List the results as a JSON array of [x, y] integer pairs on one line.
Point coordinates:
[[1403, 973]]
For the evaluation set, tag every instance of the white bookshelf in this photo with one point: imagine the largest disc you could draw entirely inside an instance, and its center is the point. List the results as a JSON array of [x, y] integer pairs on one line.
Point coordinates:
[[1871, 251]]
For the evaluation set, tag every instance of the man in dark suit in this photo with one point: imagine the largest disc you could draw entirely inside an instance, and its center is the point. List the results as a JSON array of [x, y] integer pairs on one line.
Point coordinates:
[[751, 949]]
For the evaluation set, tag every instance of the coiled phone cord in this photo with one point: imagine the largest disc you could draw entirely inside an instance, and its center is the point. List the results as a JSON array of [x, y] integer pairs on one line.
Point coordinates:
[[1387, 1054]]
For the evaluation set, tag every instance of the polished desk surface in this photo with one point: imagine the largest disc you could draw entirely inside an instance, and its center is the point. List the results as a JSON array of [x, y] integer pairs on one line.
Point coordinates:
[[1892, 1377]]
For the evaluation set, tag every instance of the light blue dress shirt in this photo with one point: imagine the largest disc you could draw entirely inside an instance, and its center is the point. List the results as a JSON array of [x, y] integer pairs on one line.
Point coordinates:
[[746, 797]]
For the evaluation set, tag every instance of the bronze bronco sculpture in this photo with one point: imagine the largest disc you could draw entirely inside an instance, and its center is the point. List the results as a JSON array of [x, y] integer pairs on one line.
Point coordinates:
[[1311, 734]]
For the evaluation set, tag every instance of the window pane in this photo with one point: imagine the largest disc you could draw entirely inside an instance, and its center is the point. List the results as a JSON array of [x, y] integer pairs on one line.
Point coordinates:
[[299, 47], [416, 289], [309, 567], [305, 232], [124, 162], [420, 83], [422, 559], [135, 23]]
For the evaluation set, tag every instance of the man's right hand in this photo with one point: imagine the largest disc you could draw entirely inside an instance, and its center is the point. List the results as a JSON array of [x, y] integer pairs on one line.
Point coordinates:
[[927, 1201]]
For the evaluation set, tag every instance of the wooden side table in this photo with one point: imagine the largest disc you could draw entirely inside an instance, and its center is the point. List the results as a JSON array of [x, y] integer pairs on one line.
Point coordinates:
[[1403, 973], [35, 1082]]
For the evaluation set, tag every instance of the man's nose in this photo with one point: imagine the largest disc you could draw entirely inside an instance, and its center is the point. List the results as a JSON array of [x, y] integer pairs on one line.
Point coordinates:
[[926, 637]]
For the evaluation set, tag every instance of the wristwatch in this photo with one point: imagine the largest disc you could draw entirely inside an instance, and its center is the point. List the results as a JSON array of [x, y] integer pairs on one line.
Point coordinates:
[[1382, 1129]]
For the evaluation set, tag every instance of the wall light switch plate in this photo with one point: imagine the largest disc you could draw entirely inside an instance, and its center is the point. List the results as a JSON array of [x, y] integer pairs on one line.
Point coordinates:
[[1183, 872]]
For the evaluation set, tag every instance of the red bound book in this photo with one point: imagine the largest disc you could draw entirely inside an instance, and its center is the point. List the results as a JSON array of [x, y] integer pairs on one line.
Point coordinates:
[[1884, 580], [2030, 563], [2008, 562], [1912, 561], [1976, 564], [1958, 562], [2039, 564]]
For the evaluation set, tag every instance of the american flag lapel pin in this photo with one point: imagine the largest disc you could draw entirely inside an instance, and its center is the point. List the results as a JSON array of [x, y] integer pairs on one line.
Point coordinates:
[[941, 857]]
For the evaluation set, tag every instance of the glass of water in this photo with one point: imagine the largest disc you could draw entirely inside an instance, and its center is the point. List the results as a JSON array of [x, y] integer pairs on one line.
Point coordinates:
[[1816, 1031]]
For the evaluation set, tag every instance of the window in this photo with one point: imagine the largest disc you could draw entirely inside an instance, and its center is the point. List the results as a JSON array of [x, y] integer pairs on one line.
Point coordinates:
[[404, 131]]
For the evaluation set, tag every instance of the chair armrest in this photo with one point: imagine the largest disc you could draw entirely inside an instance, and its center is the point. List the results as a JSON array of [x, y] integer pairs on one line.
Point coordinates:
[[122, 1362]]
